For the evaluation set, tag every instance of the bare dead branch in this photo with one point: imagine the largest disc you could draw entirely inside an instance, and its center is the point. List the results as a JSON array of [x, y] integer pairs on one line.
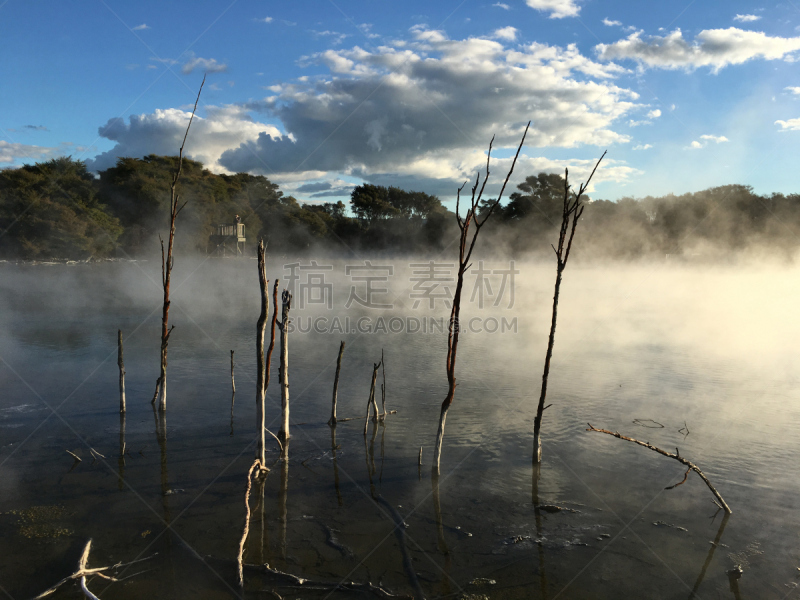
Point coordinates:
[[83, 572], [256, 464], [681, 482], [332, 420], [466, 246], [680, 459], [571, 212]]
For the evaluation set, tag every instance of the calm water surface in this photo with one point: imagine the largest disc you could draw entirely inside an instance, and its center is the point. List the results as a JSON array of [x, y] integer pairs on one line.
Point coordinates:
[[709, 353]]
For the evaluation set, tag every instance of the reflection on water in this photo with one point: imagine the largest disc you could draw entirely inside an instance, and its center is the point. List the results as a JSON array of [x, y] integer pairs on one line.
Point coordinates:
[[710, 354]]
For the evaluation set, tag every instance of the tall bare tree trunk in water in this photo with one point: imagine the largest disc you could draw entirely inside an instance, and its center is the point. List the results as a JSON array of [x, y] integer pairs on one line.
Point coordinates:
[[283, 378], [260, 328], [167, 264], [467, 244], [332, 420], [121, 364], [572, 211]]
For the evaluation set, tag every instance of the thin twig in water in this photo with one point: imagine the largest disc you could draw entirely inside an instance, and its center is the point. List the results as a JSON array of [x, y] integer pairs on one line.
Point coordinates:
[[73, 455]]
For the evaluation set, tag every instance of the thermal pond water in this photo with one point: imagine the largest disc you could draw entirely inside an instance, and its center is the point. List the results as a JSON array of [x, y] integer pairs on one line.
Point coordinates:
[[700, 358]]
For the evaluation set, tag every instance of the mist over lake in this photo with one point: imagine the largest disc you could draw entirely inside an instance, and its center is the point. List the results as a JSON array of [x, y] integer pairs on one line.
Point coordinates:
[[693, 356]]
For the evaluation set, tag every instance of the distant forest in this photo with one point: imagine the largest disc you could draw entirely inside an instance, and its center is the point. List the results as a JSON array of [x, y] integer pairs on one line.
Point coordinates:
[[58, 209]]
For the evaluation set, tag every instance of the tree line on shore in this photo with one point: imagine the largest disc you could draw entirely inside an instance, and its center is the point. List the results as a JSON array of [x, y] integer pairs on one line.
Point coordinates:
[[58, 209]]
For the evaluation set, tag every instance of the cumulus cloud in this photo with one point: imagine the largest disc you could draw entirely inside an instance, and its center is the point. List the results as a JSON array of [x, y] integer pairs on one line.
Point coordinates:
[[263, 20], [502, 5], [654, 114], [207, 65], [746, 18], [506, 33], [714, 48], [558, 9], [11, 152], [793, 90], [790, 125], [406, 115], [141, 27], [162, 132], [705, 139], [642, 147], [609, 23]]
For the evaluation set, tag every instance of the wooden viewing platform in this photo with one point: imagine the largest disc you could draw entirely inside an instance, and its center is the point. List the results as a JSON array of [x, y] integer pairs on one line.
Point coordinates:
[[228, 237]]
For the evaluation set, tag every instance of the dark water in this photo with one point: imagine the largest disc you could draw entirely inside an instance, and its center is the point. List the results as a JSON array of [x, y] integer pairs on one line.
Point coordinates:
[[711, 351]]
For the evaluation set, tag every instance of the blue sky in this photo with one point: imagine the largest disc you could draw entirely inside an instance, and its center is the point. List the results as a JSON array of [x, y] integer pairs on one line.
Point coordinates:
[[320, 96]]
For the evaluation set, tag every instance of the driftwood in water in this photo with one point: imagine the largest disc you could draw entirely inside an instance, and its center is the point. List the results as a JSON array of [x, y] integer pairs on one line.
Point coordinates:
[[371, 401], [332, 420], [167, 262], [675, 456], [400, 533], [571, 211], [316, 585], [466, 245], [121, 364], [260, 328], [84, 571], [283, 375]]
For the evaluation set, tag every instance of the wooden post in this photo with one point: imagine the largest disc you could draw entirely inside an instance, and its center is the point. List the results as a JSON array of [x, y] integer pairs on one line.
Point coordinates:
[[332, 420], [466, 246], [260, 373], [121, 364], [571, 212], [166, 266], [286, 297]]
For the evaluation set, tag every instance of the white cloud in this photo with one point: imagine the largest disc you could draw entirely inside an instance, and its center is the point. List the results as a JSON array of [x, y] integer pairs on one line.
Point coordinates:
[[502, 5], [746, 18], [654, 114], [714, 48], [642, 147], [11, 152], [506, 33], [705, 139], [793, 90], [790, 125], [141, 27], [609, 23], [558, 9], [399, 134], [263, 20], [162, 132], [208, 65]]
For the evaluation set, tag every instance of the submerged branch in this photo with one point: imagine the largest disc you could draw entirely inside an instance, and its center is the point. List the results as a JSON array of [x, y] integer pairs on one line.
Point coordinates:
[[83, 572], [677, 457]]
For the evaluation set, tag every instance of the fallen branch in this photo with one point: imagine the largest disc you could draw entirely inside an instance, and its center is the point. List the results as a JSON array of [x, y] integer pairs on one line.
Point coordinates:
[[677, 457], [73, 455], [400, 534], [294, 581], [83, 572]]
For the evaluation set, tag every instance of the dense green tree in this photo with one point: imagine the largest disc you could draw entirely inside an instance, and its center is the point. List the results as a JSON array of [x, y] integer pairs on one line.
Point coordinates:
[[51, 210]]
